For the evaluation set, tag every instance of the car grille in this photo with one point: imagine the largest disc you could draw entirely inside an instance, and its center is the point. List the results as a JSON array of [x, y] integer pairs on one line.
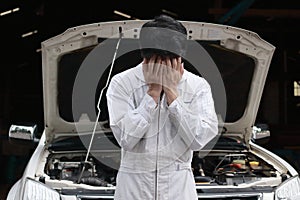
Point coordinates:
[[95, 198], [232, 198], [218, 198], [221, 198], [215, 196]]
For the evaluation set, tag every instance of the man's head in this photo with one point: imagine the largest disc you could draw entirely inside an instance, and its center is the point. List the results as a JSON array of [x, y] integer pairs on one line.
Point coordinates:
[[163, 36]]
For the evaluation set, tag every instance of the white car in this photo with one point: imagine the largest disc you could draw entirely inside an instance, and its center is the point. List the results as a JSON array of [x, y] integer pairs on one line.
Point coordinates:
[[77, 159]]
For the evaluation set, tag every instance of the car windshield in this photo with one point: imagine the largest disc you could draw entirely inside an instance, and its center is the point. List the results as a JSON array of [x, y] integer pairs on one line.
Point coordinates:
[[236, 70]]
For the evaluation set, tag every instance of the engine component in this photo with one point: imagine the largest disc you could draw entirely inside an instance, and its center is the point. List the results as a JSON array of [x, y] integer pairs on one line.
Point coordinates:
[[95, 181], [230, 168], [68, 167], [69, 170]]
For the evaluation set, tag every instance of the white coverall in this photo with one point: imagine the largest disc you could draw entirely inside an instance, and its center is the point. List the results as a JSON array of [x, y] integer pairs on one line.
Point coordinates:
[[157, 141]]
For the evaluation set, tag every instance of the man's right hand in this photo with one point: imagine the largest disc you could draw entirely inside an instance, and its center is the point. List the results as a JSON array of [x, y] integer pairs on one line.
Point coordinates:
[[153, 72]]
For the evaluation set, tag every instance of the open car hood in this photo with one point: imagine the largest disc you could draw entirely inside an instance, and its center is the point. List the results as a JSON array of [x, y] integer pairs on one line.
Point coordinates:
[[58, 51]]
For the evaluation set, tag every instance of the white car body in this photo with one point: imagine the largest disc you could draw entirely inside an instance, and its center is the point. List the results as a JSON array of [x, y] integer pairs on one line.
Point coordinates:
[[38, 182]]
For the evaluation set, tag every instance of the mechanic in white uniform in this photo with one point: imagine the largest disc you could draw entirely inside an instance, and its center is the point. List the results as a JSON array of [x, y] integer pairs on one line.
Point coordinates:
[[160, 113]]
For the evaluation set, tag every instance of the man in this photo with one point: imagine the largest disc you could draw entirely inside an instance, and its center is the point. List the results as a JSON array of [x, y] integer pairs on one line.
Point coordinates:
[[159, 114]]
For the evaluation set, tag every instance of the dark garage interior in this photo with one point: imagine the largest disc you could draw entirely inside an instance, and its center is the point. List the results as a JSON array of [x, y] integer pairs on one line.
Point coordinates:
[[25, 24]]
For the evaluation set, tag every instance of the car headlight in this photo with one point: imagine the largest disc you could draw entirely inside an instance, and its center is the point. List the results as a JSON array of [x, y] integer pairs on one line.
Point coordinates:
[[290, 190], [35, 190]]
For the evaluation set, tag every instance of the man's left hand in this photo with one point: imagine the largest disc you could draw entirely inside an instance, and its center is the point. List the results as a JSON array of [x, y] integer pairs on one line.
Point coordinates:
[[172, 74]]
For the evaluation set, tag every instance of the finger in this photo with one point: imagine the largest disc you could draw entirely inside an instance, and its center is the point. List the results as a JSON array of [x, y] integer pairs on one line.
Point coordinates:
[[164, 76], [145, 65], [152, 64], [156, 70], [174, 63], [145, 61], [169, 63], [164, 63], [152, 59], [158, 61], [179, 64], [157, 65], [181, 69]]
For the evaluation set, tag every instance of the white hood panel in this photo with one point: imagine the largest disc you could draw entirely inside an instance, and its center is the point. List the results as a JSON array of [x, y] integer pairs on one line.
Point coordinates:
[[236, 39]]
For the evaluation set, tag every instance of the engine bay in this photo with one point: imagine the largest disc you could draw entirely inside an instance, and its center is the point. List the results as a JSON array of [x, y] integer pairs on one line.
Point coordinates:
[[216, 168]]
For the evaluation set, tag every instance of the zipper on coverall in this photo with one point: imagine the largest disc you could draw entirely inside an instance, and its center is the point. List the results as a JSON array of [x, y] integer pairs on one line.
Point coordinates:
[[157, 148]]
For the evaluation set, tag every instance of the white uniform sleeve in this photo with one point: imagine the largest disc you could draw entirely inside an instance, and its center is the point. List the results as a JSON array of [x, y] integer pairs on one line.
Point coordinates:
[[129, 124], [197, 121]]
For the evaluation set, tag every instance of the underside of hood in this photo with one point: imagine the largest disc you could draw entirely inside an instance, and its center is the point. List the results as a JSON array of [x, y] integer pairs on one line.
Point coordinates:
[[241, 50]]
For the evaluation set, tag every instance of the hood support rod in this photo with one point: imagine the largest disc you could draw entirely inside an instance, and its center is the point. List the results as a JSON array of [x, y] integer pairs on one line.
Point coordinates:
[[98, 106]]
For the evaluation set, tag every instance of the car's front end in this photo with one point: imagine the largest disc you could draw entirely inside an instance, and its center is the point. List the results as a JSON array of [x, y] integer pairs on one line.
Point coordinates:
[[223, 174], [233, 168]]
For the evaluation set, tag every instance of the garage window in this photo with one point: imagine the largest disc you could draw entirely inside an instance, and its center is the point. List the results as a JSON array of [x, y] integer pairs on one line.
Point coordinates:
[[297, 88]]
